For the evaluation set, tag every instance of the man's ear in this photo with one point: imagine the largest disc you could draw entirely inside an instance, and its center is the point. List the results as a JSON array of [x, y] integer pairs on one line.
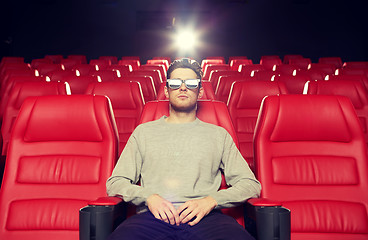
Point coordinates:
[[200, 93], [166, 91]]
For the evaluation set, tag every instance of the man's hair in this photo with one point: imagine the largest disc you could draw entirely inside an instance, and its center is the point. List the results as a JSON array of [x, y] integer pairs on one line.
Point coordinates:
[[185, 63]]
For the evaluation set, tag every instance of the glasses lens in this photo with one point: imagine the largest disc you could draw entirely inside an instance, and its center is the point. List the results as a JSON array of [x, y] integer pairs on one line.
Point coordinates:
[[191, 83], [174, 83]]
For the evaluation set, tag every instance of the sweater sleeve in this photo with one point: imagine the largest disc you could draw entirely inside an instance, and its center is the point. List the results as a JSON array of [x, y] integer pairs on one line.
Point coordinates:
[[126, 174], [241, 180]]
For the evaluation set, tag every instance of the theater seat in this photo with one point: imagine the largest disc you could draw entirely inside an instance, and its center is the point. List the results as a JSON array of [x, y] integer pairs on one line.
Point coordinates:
[[147, 85], [353, 89], [244, 102], [62, 150], [127, 103], [311, 155], [18, 94]]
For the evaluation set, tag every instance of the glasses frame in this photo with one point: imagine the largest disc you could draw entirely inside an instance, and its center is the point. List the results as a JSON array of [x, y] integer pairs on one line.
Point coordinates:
[[185, 83]]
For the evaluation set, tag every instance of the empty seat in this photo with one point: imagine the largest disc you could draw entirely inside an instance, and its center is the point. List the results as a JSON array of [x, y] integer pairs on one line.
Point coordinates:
[[311, 156], [59, 75], [84, 69], [244, 102], [356, 64], [79, 84], [302, 63], [56, 58], [111, 59], [80, 57], [224, 86], [286, 69], [155, 74], [361, 78], [106, 75], [45, 68], [135, 63], [216, 74], [11, 59], [213, 67], [9, 86], [62, 150], [314, 74], [336, 61], [36, 62], [159, 67], [168, 59], [235, 63], [294, 84], [127, 103], [69, 64], [248, 70], [287, 57], [18, 94], [270, 63], [121, 70], [204, 62], [264, 75], [100, 64], [147, 85], [164, 62], [353, 89], [328, 69]]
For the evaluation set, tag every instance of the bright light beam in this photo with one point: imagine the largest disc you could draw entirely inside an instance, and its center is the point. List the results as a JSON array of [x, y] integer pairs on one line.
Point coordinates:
[[186, 40]]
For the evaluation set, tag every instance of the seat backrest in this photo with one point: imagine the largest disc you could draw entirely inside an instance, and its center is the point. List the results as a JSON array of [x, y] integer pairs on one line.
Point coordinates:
[[311, 156], [159, 67], [336, 61], [155, 74], [248, 70], [353, 89], [127, 103], [244, 102], [147, 85], [213, 67], [294, 84], [62, 150], [302, 63], [216, 74], [100, 64], [224, 86], [18, 94], [270, 63], [79, 84]]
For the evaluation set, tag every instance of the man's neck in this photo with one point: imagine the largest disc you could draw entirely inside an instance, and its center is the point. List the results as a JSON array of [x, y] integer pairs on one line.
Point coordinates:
[[181, 117]]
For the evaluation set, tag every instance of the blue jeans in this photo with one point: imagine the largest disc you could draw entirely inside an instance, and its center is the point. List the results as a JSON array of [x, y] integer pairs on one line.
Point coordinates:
[[215, 225]]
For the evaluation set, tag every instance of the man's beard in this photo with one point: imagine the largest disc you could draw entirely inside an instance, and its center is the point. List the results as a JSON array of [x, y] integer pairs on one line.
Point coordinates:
[[184, 109]]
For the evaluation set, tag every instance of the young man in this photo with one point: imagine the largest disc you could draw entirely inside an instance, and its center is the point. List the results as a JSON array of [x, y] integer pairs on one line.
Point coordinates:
[[178, 160]]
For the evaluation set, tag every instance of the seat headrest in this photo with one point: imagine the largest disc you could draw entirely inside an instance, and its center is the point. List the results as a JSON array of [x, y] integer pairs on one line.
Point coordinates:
[[123, 95], [64, 118], [308, 118]]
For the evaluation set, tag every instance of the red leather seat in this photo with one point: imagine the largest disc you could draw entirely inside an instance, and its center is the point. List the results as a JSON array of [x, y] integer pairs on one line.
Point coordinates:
[[18, 94], [106, 75], [79, 84], [62, 150], [147, 85], [336, 61], [294, 84], [213, 67], [161, 61], [216, 74], [214, 112], [127, 103], [155, 74], [244, 102], [328, 69], [111, 59], [311, 156], [302, 63], [80, 57], [56, 58], [84, 69], [121, 70], [356, 64], [100, 64], [269, 63], [288, 57], [160, 67], [248, 70], [353, 89], [204, 62], [133, 61], [235, 63], [224, 86]]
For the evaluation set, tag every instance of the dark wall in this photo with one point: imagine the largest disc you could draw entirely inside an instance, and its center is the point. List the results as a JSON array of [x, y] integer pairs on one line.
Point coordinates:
[[143, 27]]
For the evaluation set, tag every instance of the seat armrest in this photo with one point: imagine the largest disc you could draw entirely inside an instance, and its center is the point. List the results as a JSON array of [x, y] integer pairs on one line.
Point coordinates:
[[100, 217], [267, 219]]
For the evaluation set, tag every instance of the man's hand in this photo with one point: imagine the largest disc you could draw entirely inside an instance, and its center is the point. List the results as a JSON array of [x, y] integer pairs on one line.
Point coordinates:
[[197, 208], [163, 209]]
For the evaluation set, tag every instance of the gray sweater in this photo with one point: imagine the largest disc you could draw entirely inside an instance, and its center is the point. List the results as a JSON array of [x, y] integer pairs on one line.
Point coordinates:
[[180, 162]]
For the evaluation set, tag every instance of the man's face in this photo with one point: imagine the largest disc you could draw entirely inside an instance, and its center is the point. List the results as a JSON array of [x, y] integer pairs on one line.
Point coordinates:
[[183, 99]]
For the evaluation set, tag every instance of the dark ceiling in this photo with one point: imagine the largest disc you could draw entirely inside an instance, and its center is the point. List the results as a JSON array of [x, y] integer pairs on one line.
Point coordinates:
[[144, 27]]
